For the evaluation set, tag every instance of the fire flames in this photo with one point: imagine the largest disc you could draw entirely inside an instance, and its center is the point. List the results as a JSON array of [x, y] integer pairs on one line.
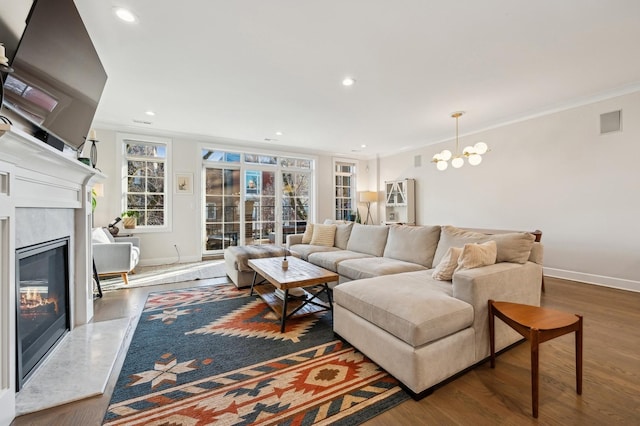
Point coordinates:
[[32, 301]]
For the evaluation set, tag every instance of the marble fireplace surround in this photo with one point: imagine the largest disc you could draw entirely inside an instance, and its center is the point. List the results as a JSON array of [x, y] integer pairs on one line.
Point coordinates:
[[44, 195]]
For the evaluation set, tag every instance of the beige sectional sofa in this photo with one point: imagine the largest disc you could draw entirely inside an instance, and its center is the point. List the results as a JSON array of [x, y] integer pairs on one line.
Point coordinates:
[[424, 330]]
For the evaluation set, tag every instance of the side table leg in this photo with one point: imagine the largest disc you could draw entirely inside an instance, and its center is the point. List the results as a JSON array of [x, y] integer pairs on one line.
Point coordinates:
[[492, 338], [579, 357], [535, 339], [284, 309]]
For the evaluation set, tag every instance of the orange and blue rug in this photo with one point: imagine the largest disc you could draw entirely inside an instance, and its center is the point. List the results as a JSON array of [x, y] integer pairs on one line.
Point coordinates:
[[215, 355]]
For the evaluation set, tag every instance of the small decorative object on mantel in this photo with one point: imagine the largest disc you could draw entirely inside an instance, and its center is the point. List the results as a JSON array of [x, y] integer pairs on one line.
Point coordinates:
[[93, 155], [473, 153]]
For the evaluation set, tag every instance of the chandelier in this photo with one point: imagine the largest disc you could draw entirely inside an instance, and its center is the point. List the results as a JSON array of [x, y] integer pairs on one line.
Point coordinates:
[[472, 153]]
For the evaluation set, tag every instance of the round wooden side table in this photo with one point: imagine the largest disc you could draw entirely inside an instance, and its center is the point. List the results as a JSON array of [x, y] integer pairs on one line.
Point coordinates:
[[537, 325]]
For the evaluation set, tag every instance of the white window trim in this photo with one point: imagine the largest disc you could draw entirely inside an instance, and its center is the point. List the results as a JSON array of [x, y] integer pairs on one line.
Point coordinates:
[[121, 159], [354, 194], [242, 166]]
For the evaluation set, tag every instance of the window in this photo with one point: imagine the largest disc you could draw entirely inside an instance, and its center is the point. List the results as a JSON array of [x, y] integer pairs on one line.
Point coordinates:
[[254, 198], [146, 180], [345, 190]]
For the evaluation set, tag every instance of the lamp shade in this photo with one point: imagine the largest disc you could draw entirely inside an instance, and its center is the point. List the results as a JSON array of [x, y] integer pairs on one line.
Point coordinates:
[[99, 188], [368, 197]]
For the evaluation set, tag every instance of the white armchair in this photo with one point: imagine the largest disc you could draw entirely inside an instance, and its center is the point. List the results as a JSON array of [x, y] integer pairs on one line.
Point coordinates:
[[113, 257]]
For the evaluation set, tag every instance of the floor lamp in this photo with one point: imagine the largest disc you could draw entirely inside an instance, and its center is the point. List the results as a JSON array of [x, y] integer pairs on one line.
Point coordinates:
[[368, 197]]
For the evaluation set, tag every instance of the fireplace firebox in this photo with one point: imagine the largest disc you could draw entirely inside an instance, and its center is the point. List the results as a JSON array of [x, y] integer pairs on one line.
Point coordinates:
[[42, 308]]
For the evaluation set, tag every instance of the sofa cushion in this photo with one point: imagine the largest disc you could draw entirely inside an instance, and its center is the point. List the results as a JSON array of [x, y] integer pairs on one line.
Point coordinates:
[[447, 266], [330, 259], [369, 239], [343, 232], [356, 269], [410, 306], [477, 255], [512, 247], [416, 244], [308, 234], [323, 235], [304, 250]]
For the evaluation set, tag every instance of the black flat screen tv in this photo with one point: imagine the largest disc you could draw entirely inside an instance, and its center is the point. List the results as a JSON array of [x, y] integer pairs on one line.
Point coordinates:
[[58, 77]]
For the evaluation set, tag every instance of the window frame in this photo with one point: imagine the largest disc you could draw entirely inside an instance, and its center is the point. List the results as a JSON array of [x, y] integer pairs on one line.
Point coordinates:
[[123, 139], [354, 184], [243, 166]]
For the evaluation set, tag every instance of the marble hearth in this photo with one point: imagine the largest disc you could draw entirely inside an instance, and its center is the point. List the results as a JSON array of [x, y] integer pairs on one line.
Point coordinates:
[[44, 195]]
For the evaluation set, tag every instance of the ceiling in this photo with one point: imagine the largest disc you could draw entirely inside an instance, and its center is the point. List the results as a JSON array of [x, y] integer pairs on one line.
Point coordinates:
[[243, 70]]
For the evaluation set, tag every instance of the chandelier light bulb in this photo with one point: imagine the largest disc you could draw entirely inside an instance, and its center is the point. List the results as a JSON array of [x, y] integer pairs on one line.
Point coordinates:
[[472, 153], [475, 159], [481, 147]]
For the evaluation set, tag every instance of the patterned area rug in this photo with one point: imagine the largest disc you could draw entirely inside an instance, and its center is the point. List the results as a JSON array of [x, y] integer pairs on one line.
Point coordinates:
[[215, 355]]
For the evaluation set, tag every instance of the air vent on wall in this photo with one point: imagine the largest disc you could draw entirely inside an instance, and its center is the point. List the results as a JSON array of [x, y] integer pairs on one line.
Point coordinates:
[[417, 161], [142, 122], [611, 122]]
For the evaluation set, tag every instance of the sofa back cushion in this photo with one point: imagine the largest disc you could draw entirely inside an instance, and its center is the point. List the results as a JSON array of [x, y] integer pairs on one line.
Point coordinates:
[[415, 244], [369, 239], [512, 247], [343, 232]]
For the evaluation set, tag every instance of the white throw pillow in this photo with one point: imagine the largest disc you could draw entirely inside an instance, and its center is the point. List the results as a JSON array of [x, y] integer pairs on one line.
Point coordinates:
[[476, 255], [98, 236], [323, 235], [447, 266]]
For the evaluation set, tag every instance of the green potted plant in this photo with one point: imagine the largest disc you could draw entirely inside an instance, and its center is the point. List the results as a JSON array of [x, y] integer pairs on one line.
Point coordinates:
[[130, 218]]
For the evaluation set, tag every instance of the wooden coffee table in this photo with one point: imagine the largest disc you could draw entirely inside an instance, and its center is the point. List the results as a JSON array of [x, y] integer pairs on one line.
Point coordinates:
[[299, 274], [537, 325]]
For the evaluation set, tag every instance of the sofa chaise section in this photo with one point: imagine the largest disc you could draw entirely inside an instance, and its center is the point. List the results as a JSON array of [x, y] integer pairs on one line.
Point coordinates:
[[424, 330]]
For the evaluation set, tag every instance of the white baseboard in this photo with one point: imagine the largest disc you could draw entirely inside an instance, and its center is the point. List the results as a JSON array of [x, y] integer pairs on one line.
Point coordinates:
[[169, 260], [604, 281]]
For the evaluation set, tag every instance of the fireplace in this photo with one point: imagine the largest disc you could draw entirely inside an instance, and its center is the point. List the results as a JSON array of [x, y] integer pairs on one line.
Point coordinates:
[[42, 302]]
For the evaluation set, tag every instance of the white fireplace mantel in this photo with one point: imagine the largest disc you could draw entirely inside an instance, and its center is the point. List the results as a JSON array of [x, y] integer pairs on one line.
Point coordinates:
[[36, 175]]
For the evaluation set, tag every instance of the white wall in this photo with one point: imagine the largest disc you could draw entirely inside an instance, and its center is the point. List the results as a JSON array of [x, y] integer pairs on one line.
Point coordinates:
[[555, 173], [157, 247]]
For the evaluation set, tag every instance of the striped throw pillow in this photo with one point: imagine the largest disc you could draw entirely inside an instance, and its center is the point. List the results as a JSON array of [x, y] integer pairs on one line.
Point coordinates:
[[476, 255], [323, 235]]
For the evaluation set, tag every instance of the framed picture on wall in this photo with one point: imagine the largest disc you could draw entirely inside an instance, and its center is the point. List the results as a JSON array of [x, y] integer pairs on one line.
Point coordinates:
[[184, 183]]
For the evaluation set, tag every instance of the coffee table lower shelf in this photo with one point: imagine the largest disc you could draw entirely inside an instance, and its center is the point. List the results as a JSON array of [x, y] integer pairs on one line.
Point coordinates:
[[296, 306]]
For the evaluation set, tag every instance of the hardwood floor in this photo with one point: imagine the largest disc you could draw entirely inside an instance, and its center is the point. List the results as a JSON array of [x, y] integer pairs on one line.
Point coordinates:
[[482, 396]]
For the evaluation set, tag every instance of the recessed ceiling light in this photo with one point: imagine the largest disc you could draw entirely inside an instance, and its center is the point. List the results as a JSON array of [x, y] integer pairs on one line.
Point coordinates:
[[363, 146], [125, 14], [151, 113], [348, 81], [279, 133]]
